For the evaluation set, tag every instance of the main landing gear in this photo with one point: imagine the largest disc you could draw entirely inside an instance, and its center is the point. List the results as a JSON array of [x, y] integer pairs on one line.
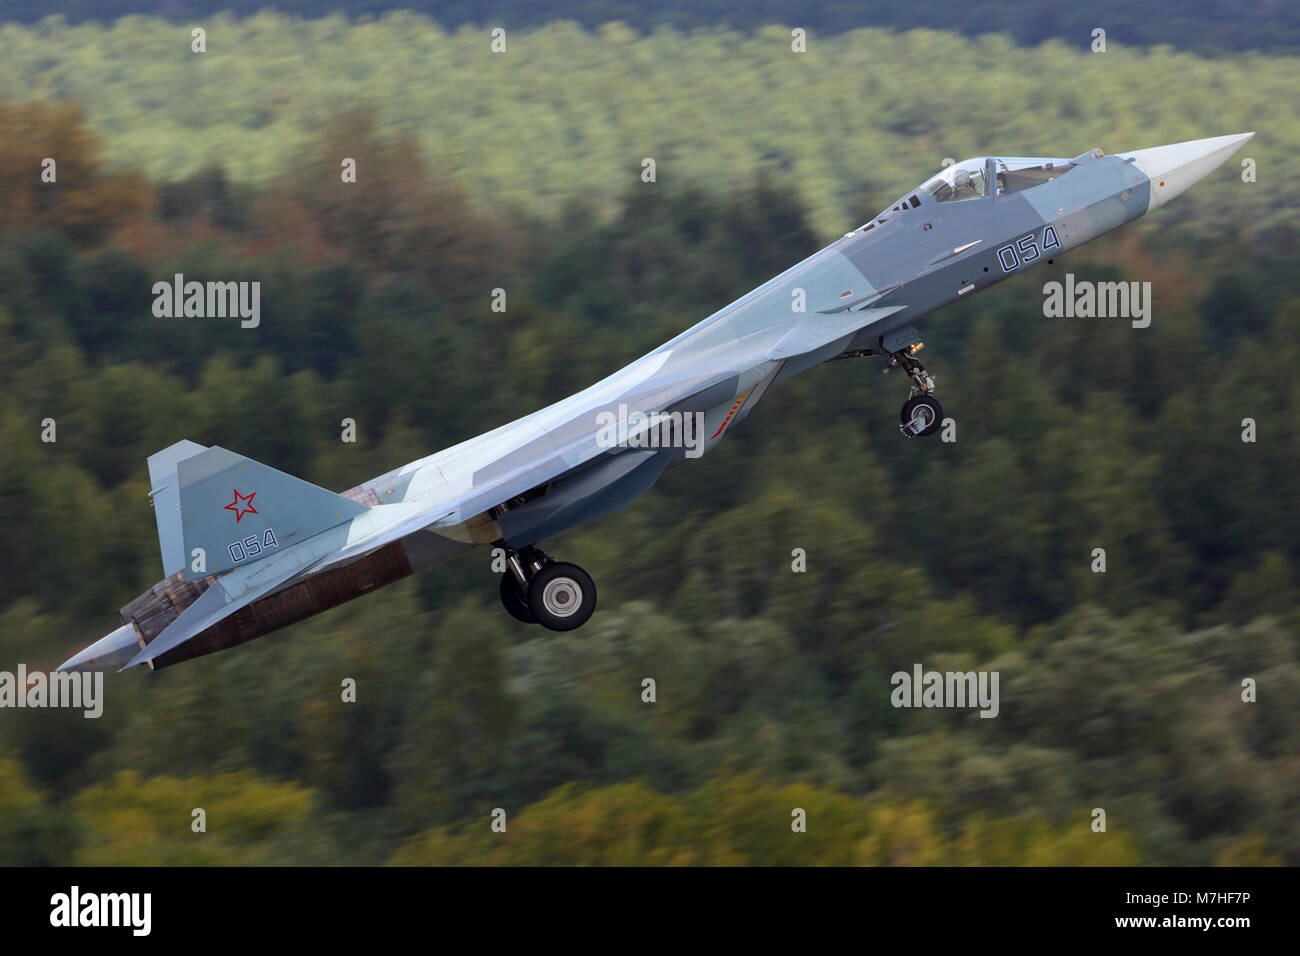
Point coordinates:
[[921, 414], [538, 590]]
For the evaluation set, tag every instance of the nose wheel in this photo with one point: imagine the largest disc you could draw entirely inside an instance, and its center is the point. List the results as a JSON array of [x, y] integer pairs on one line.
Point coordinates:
[[922, 414], [555, 594]]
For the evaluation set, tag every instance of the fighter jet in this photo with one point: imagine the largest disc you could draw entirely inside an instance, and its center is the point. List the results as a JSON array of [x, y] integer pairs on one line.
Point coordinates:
[[247, 549]]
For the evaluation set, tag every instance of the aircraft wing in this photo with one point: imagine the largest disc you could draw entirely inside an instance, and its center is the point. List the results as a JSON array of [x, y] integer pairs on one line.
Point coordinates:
[[825, 327], [562, 439]]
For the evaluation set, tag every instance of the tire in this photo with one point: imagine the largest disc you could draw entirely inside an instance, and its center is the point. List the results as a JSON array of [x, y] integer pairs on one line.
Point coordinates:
[[513, 600], [562, 596], [923, 405]]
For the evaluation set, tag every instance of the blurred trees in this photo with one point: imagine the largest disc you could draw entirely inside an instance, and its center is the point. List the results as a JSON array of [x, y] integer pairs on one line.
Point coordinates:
[[1210, 25], [130, 821], [745, 821], [31, 832], [856, 121], [82, 202]]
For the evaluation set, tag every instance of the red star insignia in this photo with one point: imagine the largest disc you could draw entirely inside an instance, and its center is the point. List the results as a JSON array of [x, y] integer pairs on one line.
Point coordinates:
[[244, 509]]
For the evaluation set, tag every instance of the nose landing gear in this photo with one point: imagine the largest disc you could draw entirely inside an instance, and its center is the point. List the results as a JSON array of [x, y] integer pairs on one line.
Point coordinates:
[[921, 414]]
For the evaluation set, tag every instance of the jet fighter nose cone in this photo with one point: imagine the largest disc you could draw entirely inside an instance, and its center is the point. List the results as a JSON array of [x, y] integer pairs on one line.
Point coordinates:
[[1175, 168], [108, 652]]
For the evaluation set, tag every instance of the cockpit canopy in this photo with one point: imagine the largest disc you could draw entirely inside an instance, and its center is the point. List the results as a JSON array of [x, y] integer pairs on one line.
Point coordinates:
[[969, 180], [964, 180], [1020, 173]]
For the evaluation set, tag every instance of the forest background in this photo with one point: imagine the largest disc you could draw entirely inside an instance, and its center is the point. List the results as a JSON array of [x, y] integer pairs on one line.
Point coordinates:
[[522, 171]]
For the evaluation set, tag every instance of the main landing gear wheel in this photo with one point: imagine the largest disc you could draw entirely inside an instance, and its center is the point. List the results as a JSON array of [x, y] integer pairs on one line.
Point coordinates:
[[538, 590], [921, 415], [513, 599], [562, 596]]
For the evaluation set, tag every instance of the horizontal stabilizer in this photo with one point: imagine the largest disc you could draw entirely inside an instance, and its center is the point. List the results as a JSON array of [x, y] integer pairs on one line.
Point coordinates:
[[240, 588], [213, 606]]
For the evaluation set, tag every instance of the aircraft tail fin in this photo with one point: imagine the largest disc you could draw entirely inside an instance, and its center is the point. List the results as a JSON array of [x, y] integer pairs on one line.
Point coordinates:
[[167, 502], [217, 510]]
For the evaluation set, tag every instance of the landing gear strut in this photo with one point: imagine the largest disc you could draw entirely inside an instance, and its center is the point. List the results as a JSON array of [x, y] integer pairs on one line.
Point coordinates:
[[538, 590], [922, 414]]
